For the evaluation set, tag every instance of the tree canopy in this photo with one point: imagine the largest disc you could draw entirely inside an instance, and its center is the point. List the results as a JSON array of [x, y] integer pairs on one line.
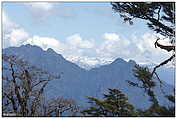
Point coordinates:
[[160, 16], [115, 103]]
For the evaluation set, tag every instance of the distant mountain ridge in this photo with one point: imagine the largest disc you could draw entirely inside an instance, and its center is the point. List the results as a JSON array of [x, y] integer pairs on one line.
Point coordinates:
[[77, 83]]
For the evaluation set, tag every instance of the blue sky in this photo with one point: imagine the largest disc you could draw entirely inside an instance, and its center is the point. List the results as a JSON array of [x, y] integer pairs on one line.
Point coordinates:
[[90, 32]]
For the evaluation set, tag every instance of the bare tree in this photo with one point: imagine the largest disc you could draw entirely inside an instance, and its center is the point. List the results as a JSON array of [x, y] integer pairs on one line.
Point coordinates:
[[58, 106], [23, 88]]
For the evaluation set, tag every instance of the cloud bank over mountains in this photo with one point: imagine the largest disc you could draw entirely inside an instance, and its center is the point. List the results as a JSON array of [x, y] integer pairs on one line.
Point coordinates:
[[76, 48]]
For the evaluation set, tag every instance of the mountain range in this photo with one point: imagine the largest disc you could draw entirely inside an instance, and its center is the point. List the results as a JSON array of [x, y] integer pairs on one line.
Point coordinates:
[[76, 83]]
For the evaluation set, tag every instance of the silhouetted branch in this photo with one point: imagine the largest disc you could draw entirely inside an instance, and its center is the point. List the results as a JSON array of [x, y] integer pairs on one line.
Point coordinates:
[[165, 47], [163, 63]]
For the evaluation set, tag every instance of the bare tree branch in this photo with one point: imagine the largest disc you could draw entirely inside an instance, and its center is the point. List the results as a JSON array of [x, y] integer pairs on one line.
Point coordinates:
[[163, 63], [164, 47]]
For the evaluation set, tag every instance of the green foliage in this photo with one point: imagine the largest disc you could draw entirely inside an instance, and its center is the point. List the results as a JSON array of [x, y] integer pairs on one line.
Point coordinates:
[[158, 111], [160, 16], [147, 80], [115, 103], [170, 98], [144, 75]]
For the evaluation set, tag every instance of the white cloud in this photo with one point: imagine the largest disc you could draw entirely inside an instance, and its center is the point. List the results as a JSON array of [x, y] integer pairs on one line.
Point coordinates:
[[73, 45], [114, 46], [149, 52], [138, 48], [13, 34], [76, 41], [111, 36], [45, 43], [43, 6], [17, 37], [7, 23], [40, 11]]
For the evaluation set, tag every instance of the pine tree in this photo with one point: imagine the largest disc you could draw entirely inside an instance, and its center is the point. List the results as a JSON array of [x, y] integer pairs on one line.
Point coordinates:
[[147, 82], [115, 103]]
